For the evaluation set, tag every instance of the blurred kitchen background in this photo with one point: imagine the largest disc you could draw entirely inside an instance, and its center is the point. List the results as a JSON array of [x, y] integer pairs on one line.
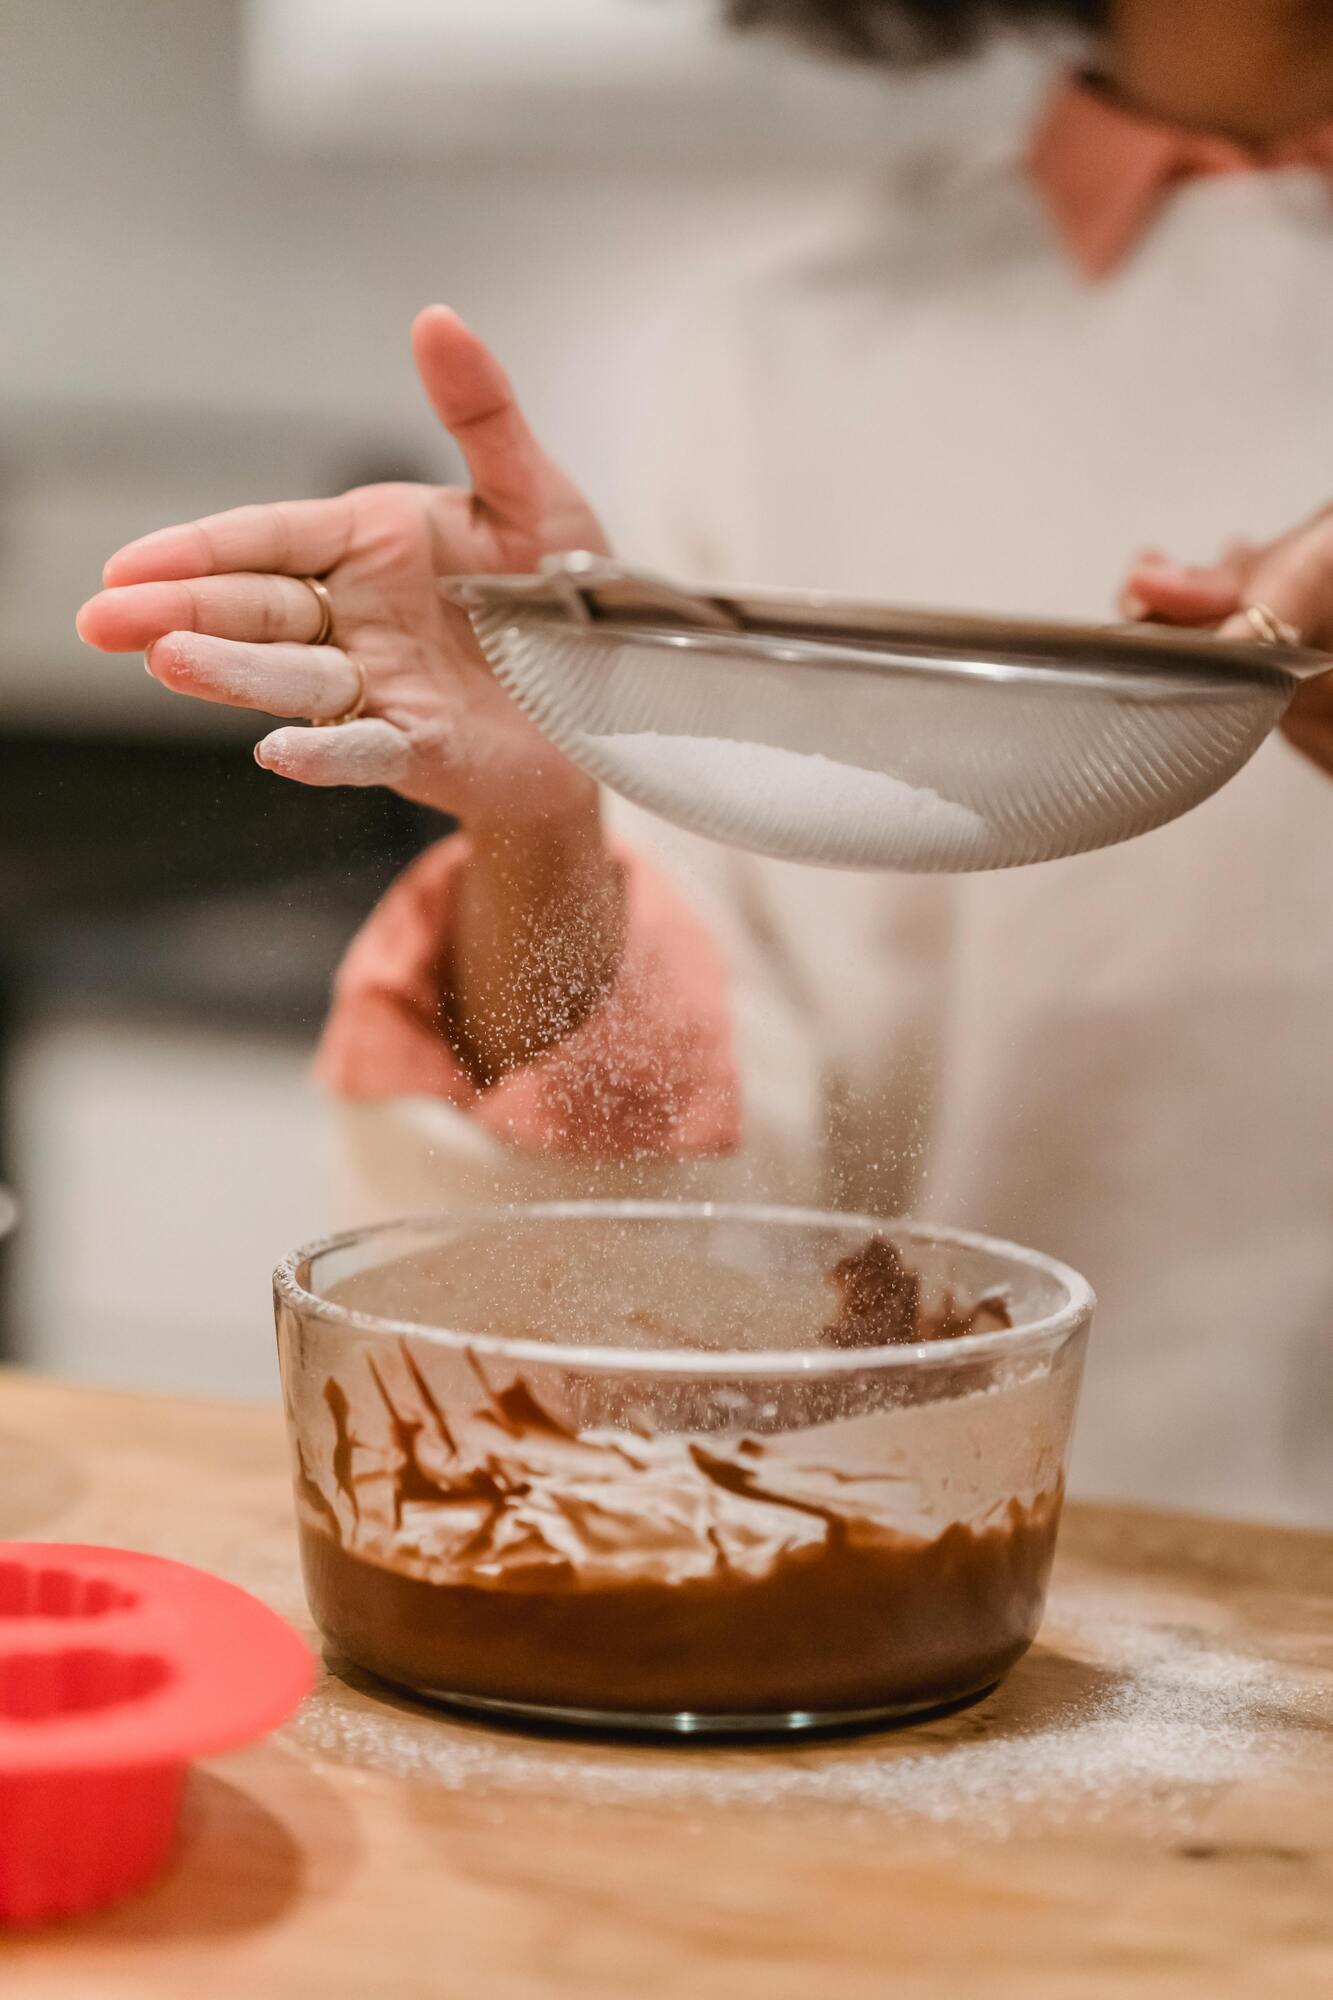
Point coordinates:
[[216, 222]]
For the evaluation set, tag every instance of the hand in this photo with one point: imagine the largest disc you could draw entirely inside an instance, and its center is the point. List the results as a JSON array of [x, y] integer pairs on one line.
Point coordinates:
[[219, 611], [1292, 577]]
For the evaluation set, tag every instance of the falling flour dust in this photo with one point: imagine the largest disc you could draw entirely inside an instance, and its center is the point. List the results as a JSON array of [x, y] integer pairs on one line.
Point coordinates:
[[772, 794], [1155, 1721]]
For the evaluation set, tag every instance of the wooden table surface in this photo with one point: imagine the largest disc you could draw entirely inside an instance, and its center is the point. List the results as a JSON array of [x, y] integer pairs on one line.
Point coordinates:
[[1146, 1807]]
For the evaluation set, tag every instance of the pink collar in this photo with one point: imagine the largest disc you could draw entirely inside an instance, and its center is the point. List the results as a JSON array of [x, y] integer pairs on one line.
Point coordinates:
[[1105, 171]]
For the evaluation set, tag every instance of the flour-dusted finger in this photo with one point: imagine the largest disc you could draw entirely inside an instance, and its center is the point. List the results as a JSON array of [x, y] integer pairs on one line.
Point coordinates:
[[369, 752], [294, 537], [266, 609], [316, 682]]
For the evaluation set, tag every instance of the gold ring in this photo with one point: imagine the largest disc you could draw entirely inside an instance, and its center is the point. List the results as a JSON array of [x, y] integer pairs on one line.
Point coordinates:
[[325, 603], [1268, 628], [354, 706]]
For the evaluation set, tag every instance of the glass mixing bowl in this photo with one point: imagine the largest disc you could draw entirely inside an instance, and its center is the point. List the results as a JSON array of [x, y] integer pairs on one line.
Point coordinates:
[[635, 1465]]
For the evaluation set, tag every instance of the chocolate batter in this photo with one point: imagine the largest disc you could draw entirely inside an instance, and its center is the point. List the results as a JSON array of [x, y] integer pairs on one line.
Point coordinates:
[[858, 1619], [503, 1553]]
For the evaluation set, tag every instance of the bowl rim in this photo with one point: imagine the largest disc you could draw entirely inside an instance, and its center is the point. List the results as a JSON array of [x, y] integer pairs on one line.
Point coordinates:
[[730, 1363]]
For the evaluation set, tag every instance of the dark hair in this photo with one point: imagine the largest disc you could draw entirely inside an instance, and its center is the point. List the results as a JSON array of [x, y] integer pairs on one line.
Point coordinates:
[[908, 31]]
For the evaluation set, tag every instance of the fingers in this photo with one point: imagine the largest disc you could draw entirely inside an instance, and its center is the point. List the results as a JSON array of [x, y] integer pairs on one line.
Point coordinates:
[[260, 608], [294, 537], [1176, 595], [1294, 581], [315, 682], [472, 397], [355, 753]]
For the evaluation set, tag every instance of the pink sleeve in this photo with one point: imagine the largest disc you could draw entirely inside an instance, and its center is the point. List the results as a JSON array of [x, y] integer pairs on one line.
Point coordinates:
[[650, 1075]]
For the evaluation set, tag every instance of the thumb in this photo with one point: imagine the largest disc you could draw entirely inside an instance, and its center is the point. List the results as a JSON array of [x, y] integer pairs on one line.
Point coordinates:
[[472, 397]]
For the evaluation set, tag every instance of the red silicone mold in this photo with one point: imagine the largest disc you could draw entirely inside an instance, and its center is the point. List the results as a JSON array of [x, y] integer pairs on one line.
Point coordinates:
[[116, 1670]]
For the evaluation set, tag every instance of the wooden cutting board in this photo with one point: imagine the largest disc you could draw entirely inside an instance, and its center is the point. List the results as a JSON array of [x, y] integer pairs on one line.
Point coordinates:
[[1145, 1808]]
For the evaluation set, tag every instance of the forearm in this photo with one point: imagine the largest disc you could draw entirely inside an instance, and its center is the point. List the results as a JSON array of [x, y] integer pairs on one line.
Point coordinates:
[[538, 933], [488, 953]]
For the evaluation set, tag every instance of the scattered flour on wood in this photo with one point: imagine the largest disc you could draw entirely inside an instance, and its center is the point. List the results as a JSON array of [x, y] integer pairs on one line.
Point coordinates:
[[1155, 1721]]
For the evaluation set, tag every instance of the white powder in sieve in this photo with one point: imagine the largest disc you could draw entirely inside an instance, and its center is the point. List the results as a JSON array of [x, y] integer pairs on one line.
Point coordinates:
[[772, 793], [1164, 1721]]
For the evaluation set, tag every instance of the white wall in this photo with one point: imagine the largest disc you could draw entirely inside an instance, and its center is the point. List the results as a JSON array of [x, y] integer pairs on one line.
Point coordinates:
[[534, 80], [152, 252]]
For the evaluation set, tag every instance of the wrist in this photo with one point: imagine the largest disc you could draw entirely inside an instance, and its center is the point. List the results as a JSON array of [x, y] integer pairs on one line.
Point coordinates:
[[539, 929]]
